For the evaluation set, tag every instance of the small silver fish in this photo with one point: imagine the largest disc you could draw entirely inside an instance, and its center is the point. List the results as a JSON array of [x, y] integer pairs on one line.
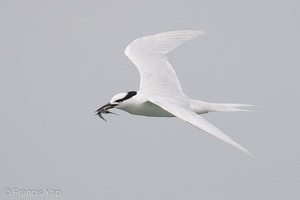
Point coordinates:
[[104, 109]]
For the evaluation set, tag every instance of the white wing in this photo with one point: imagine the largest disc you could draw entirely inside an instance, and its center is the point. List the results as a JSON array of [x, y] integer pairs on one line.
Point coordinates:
[[182, 111], [148, 54]]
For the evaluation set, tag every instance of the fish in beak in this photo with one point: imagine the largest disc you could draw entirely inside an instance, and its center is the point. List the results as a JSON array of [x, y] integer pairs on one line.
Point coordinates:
[[104, 109]]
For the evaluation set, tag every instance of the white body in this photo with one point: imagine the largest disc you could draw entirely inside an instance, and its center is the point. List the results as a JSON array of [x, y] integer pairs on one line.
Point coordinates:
[[160, 93], [138, 105]]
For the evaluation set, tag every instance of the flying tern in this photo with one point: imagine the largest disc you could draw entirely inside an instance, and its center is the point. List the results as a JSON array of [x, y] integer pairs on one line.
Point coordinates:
[[160, 93]]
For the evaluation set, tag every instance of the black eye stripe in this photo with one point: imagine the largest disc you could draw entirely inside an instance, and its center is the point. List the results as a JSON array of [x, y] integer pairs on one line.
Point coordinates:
[[128, 96]]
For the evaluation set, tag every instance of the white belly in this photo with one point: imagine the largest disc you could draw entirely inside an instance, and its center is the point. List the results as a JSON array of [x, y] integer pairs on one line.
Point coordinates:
[[147, 109]]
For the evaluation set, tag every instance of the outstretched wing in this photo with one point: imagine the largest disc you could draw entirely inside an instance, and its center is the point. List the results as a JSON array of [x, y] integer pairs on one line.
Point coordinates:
[[183, 112], [148, 54]]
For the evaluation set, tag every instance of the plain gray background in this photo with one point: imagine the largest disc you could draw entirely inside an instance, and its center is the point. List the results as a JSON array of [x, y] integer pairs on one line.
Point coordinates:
[[62, 60]]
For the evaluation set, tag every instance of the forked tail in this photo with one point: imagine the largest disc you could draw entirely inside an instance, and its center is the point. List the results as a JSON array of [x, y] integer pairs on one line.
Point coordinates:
[[229, 107], [202, 107]]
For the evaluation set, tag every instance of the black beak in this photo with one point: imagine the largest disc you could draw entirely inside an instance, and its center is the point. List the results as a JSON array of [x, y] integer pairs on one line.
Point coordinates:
[[104, 109]]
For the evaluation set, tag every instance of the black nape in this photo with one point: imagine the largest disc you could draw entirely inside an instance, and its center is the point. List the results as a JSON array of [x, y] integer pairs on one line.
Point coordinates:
[[128, 96]]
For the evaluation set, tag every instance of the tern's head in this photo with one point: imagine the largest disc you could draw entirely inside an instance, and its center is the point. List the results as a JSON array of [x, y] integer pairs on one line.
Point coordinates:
[[122, 97], [116, 101]]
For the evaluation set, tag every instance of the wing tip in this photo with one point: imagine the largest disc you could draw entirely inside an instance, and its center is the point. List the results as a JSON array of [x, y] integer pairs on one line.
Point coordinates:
[[239, 147], [173, 38], [248, 152], [189, 33]]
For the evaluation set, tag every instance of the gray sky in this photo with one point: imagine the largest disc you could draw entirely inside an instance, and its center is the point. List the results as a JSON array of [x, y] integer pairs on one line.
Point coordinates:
[[62, 60]]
